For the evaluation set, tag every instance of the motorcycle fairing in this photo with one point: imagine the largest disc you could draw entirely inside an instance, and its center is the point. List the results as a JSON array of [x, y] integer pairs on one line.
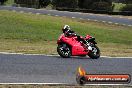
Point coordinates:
[[76, 46]]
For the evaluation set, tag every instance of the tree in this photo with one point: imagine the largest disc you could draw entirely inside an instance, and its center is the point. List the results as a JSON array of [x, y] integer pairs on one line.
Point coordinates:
[[86, 4], [44, 3], [65, 3], [2, 2], [128, 1], [95, 4]]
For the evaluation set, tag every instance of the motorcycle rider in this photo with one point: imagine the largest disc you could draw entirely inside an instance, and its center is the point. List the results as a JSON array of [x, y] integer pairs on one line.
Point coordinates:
[[71, 44], [68, 32]]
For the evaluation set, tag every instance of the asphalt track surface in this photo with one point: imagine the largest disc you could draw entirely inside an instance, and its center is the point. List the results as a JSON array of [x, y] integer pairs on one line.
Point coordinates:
[[84, 16], [54, 69]]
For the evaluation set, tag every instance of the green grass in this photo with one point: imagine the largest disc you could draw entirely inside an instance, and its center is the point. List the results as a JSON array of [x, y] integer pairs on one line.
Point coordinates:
[[46, 28], [32, 33]]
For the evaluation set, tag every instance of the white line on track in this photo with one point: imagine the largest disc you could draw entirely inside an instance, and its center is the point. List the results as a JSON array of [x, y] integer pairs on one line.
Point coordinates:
[[90, 14], [95, 20], [110, 22], [29, 8], [104, 21], [124, 24], [7, 6], [79, 13], [120, 17], [51, 10], [116, 23], [37, 13], [19, 7], [81, 18], [56, 15], [130, 25], [101, 15], [49, 14], [129, 18], [110, 16], [40, 9], [73, 17], [8, 53]]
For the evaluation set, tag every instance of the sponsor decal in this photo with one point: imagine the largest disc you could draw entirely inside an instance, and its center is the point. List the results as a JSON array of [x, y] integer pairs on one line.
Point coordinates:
[[84, 78]]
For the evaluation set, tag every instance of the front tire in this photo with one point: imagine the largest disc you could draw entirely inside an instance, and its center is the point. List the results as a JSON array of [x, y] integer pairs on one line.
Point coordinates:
[[64, 50], [95, 53]]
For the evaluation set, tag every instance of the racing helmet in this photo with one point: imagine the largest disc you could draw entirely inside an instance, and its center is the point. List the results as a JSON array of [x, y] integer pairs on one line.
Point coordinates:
[[65, 28]]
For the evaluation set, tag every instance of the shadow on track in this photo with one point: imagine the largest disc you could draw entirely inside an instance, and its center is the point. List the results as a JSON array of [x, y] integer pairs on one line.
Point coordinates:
[[76, 57]]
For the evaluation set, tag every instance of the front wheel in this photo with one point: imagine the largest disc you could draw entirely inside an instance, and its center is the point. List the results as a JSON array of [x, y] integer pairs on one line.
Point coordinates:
[[64, 50], [94, 53]]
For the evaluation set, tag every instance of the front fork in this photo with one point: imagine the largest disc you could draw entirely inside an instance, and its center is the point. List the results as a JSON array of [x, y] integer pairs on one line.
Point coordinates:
[[88, 46]]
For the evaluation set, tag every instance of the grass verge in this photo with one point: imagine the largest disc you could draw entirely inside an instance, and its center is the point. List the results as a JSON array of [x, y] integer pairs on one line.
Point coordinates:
[[58, 86], [30, 33]]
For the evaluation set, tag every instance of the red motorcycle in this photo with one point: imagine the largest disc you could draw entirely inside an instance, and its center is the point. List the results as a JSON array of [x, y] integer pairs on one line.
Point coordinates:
[[74, 45]]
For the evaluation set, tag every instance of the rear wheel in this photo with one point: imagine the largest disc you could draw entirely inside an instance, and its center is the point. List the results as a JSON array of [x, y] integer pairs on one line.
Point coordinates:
[[81, 80], [94, 53], [64, 50]]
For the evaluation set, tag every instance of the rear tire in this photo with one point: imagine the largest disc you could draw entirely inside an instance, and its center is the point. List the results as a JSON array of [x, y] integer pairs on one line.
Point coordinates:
[[64, 50], [81, 80], [94, 55]]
